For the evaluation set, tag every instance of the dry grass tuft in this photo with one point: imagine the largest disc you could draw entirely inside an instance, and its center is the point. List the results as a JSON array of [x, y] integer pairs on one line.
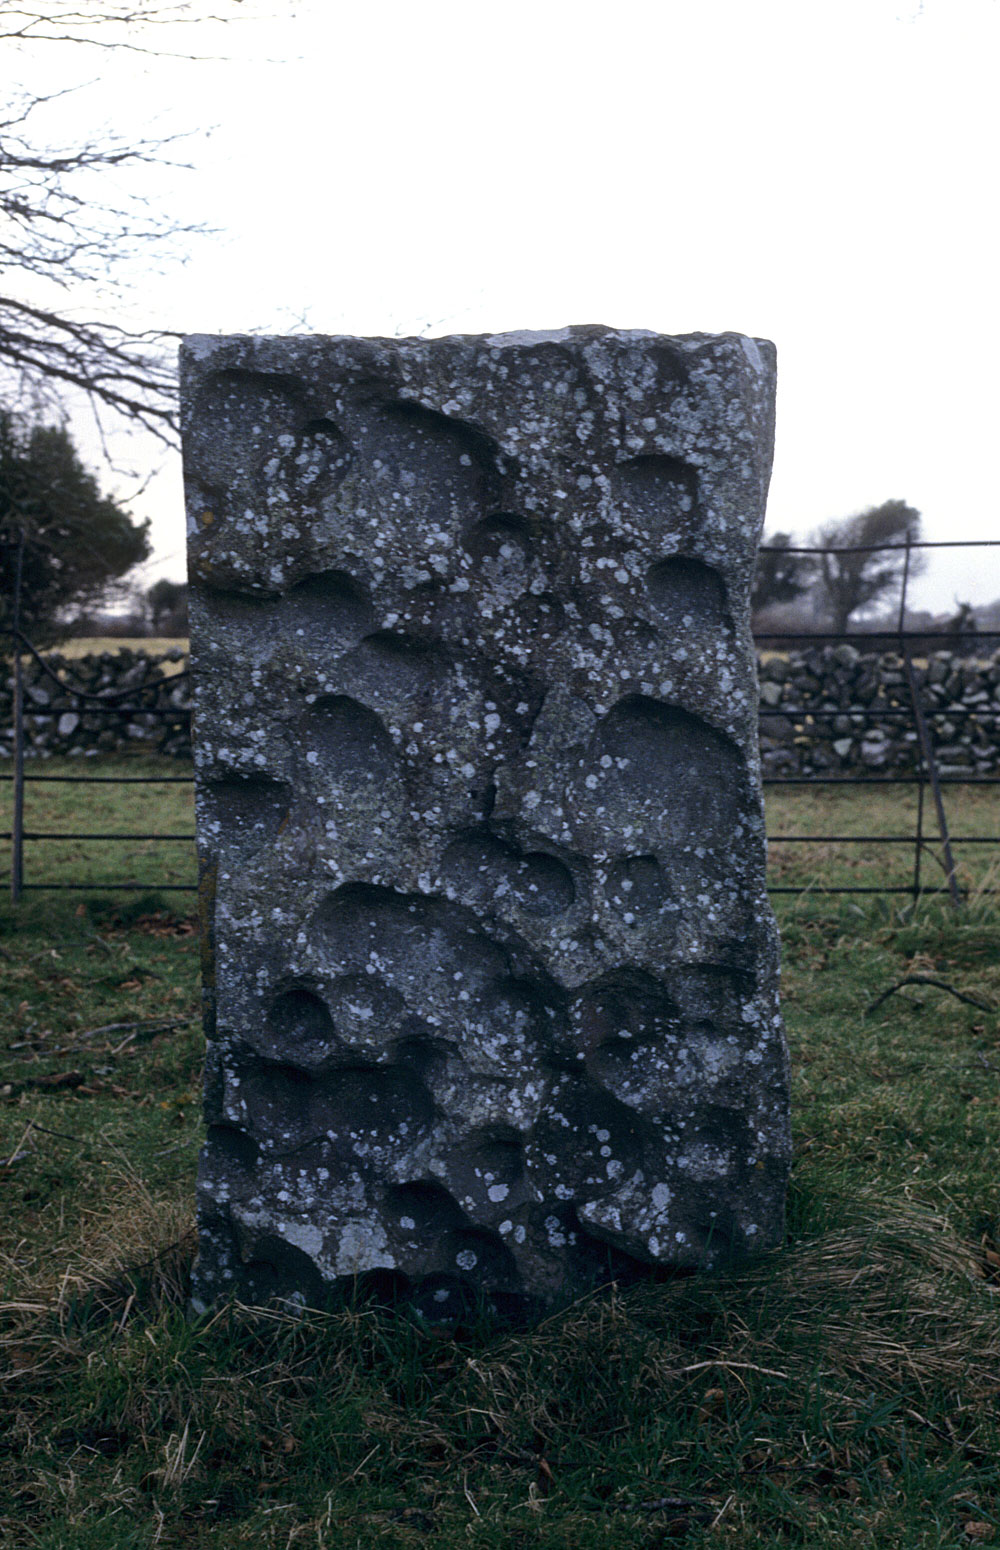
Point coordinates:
[[132, 1255], [893, 1299], [892, 1303], [979, 891]]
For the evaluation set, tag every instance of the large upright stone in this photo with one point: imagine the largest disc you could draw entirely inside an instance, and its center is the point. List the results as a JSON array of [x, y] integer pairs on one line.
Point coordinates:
[[491, 974]]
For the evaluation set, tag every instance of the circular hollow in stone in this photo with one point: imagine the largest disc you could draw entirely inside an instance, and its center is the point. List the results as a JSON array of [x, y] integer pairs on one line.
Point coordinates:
[[487, 871], [687, 594], [299, 1027], [328, 608], [491, 536], [348, 742], [662, 775], [244, 812]]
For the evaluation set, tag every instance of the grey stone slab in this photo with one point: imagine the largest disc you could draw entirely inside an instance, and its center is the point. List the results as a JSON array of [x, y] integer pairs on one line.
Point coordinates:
[[491, 976]]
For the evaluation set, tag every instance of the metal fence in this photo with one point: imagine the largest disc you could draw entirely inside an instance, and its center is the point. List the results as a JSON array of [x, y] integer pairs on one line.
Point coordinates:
[[116, 704], [927, 774], [928, 836]]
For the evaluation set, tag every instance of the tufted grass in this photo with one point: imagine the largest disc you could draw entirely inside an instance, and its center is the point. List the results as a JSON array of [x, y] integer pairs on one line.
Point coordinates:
[[842, 1392]]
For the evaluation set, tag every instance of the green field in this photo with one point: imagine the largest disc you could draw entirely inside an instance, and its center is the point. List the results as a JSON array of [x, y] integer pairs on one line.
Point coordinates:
[[872, 815], [869, 813], [150, 645], [103, 806], [841, 1393]]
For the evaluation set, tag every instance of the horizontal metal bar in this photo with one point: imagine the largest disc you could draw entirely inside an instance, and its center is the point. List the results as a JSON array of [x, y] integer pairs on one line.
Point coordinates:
[[873, 839], [772, 839], [791, 710], [877, 780], [768, 780], [106, 780], [178, 712], [923, 543], [821, 637], [192, 888], [48, 835], [808, 888], [879, 712], [767, 710], [110, 888]]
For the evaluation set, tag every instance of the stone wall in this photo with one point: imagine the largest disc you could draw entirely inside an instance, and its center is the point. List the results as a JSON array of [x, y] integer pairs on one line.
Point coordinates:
[[139, 705], [834, 710], [855, 715]]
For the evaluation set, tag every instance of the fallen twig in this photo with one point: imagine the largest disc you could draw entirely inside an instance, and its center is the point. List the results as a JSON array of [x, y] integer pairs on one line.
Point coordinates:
[[925, 979], [141, 1031], [720, 1361], [154, 1024], [61, 1082], [63, 1136]]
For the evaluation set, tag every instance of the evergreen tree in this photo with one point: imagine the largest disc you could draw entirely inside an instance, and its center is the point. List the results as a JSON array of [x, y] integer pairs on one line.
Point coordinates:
[[77, 541], [781, 576]]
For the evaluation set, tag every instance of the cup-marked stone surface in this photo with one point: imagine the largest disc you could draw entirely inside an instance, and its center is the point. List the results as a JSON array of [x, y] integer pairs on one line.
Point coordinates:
[[491, 976]]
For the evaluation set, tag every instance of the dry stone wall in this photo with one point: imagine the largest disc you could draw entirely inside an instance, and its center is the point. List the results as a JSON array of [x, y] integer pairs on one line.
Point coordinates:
[[134, 702], [828, 710], [835, 710], [492, 972]]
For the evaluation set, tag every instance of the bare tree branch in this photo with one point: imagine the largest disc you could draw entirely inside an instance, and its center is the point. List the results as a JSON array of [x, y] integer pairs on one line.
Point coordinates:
[[106, 28], [67, 229]]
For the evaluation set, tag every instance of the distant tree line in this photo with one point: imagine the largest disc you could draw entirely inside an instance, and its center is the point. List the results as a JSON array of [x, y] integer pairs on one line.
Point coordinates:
[[854, 574]]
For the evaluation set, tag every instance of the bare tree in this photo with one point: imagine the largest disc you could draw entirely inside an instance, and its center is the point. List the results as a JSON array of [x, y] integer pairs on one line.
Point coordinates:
[[62, 233], [97, 23], [868, 556]]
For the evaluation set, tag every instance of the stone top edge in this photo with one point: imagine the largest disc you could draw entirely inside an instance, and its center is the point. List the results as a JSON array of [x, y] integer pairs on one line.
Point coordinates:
[[202, 347]]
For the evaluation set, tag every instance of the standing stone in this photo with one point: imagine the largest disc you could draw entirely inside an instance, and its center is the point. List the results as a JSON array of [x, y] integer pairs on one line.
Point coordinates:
[[491, 976]]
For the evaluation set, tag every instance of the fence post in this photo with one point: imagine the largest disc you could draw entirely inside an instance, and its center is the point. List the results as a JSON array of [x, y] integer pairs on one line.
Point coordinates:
[[918, 848], [928, 757], [17, 821]]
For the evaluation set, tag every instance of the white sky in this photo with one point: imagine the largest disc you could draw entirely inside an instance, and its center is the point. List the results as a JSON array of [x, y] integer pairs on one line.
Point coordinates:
[[820, 172]]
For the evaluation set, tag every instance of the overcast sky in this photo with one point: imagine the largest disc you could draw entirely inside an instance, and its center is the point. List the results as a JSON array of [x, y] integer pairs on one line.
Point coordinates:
[[823, 174]]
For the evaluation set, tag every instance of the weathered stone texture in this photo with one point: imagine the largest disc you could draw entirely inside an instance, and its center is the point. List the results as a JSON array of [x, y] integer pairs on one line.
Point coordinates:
[[492, 977]]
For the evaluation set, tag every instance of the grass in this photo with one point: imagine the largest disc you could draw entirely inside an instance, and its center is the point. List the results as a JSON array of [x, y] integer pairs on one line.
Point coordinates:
[[868, 812], [51, 807], [843, 1392], [872, 814]]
